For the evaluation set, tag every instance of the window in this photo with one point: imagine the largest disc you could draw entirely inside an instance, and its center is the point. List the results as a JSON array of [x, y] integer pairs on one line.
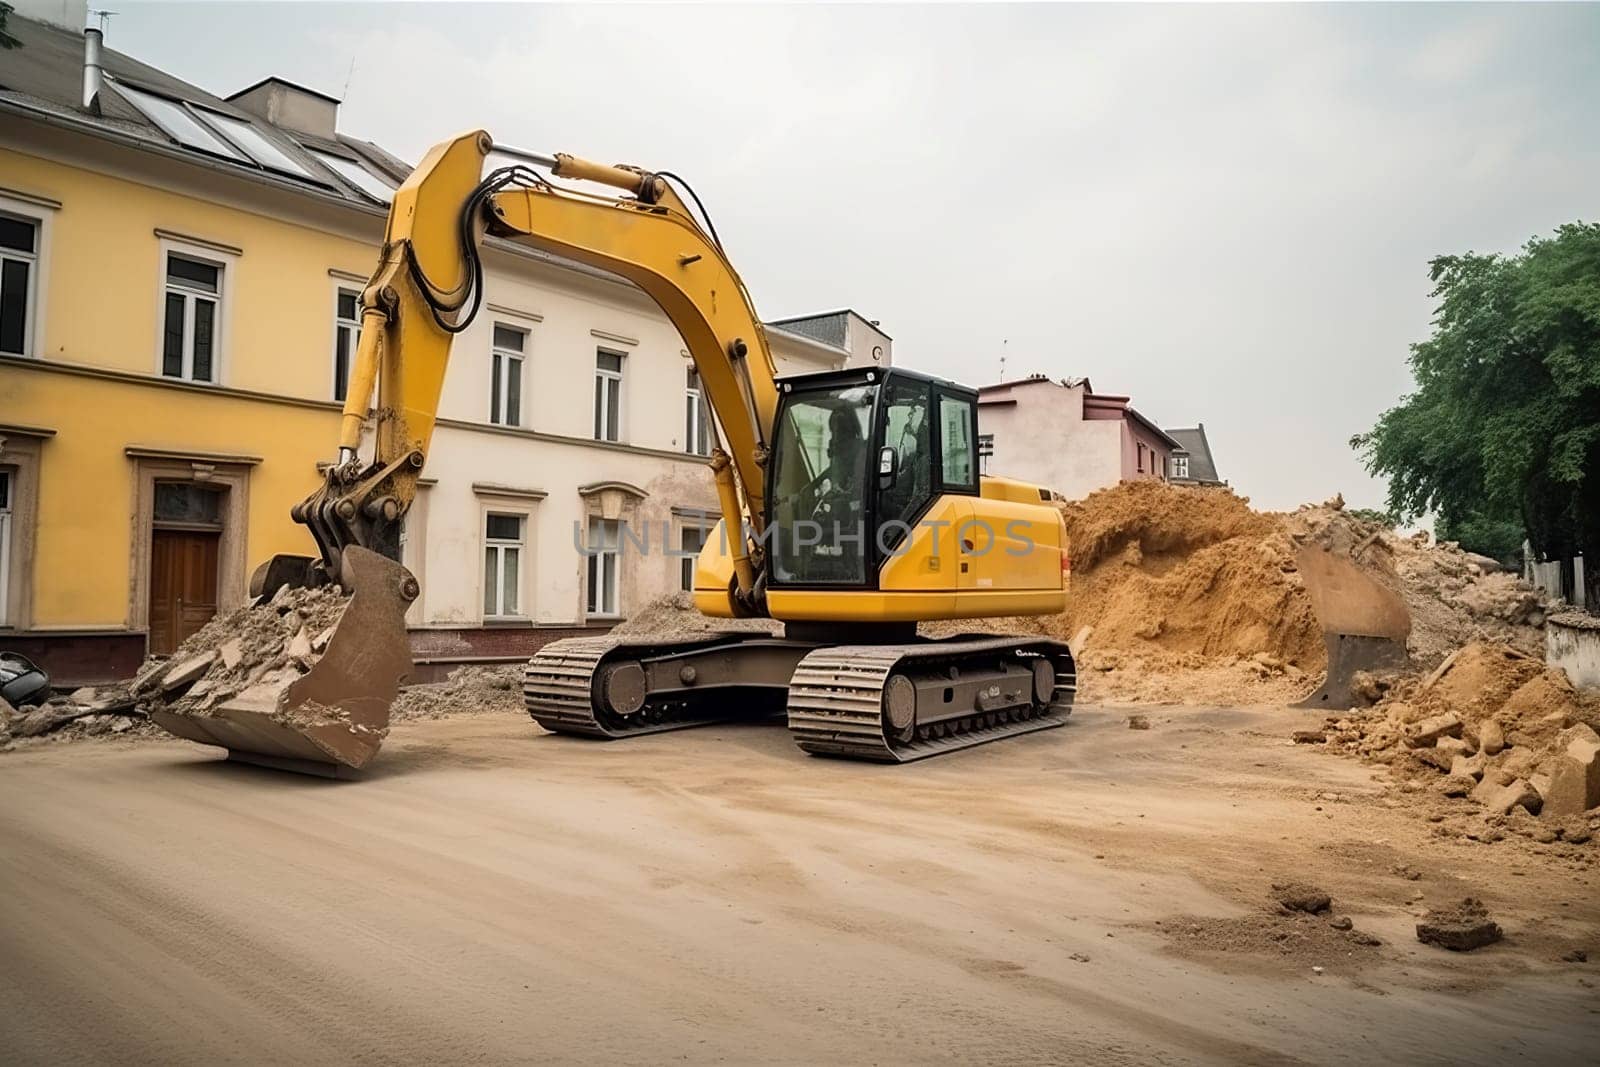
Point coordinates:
[[179, 123], [605, 540], [608, 396], [696, 417], [187, 504], [378, 188], [502, 565], [505, 376], [1140, 447], [256, 146], [1180, 466], [5, 545], [346, 337], [190, 322], [19, 269], [908, 430], [985, 451], [691, 539], [821, 448], [958, 425]]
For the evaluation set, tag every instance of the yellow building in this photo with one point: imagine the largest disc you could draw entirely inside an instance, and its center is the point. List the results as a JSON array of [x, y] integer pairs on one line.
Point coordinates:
[[177, 280]]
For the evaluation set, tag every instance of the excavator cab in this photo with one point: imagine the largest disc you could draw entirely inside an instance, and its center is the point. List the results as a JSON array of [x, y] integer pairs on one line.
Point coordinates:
[[858, 458]]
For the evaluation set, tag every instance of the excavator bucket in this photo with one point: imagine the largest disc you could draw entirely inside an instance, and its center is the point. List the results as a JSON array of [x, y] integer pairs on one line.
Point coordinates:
[[333, 718], [1364, 622]]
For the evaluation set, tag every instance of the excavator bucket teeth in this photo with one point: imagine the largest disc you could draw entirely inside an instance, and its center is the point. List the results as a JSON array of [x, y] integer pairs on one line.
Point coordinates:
[[1364, 622], [335, 716]]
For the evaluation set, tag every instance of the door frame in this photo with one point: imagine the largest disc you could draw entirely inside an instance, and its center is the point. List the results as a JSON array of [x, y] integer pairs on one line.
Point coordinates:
[[230, 474]]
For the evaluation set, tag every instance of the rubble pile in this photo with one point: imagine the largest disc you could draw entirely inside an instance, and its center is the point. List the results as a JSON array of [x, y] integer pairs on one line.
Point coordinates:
[[470, 689], [1490, 733], [261, 647], [93, 711]]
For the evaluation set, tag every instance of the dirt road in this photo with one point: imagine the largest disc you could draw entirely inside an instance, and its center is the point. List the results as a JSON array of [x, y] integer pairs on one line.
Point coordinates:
[[490, 893]]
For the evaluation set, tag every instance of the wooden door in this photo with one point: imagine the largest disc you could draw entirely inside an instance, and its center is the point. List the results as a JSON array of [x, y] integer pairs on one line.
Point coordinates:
[[183, 584]]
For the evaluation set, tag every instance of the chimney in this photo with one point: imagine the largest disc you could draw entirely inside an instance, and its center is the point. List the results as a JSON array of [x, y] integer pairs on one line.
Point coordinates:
[[293, 107], [93, 74]]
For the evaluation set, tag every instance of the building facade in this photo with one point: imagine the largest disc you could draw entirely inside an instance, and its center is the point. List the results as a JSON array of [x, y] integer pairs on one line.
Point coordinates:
[[178, 280], [1066, 437]]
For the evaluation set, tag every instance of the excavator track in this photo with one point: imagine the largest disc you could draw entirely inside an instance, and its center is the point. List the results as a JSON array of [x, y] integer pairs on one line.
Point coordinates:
[[564, 686], [839, 696]]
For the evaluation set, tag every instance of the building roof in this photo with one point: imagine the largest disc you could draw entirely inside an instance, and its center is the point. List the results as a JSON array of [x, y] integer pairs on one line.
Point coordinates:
[[996, 394], [44, 79], [826, 325], [45, 76], [1192, 439]]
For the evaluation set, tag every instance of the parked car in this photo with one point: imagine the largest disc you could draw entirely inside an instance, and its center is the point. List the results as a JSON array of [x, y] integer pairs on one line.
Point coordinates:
[[21, 682]]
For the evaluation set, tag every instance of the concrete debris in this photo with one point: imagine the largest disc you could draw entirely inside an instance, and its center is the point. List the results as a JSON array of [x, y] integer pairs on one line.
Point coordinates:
[[187, 671], [1573, 773], [1461, 928], [1506, 733], [1430, 730]]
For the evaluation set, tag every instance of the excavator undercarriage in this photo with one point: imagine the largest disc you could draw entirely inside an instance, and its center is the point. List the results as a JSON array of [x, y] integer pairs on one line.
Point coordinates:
[[892, 702]]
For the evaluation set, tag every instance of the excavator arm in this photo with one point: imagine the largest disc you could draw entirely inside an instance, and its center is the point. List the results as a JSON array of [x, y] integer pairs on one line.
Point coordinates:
[[427, 288], [429, 285]]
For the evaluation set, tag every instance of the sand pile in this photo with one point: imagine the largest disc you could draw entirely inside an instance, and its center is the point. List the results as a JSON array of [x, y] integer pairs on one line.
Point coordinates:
[[1185, 596]]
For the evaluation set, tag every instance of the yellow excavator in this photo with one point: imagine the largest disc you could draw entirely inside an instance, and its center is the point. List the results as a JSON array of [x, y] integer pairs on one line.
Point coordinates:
[[852, 507]]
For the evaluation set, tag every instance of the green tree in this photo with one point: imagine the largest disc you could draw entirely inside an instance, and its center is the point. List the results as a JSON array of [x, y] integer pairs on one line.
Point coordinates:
[[1503, 431]]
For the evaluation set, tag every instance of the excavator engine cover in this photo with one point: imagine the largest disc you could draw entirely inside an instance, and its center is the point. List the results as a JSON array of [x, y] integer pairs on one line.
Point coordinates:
[[334, 717]]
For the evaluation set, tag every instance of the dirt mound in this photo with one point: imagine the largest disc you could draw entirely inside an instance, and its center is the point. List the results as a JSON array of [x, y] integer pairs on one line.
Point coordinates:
[[1188, 594], [469, 690], [675, 615], [1162, 569]]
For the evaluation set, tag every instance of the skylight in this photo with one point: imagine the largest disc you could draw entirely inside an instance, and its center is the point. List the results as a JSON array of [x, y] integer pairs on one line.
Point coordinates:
[[380, 189], [256, 146], [176, 121]]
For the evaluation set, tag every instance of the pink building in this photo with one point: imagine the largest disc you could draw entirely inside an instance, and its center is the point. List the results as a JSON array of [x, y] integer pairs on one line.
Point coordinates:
[[1064, 435]]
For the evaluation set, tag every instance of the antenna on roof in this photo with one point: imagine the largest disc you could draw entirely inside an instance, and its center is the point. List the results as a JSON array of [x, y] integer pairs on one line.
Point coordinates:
[[348, 75], [1003, 344]]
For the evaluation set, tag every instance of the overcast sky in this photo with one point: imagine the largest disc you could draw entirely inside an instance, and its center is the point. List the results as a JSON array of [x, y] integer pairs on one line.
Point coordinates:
[[1224, 212]]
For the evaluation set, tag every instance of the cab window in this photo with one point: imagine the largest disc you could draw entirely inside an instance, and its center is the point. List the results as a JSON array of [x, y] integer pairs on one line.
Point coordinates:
[[819, 486], [907, 429], [958, 433]]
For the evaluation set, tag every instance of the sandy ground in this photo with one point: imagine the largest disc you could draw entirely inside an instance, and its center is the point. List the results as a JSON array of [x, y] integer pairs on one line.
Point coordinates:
[[491, 893]]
